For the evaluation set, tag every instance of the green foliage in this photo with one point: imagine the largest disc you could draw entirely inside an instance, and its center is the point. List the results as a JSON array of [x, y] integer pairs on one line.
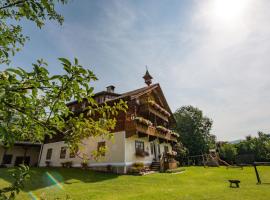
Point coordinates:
[[136, 167], [33, 105], [12, 12], [182, 152], [194, 130], [258, 146], [20, 176], [228, 152]]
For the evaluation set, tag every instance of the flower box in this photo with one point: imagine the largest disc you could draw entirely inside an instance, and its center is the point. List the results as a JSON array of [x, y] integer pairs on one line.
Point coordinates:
[[162, 129], [141, 153], [143, 121], [175, 134], [159, 108]]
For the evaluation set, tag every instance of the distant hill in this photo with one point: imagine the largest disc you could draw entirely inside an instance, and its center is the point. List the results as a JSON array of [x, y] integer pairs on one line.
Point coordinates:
[[235, 141]]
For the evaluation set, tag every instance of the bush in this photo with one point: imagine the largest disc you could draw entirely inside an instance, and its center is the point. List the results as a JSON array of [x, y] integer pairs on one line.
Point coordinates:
[[137, 168], [84, 165]]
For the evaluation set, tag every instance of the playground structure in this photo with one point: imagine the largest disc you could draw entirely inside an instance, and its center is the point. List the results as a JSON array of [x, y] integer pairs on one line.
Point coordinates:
[[208, 160], [255, 164]]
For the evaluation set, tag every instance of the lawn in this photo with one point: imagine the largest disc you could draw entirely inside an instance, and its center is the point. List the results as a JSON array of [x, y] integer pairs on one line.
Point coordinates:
[[195, 183]]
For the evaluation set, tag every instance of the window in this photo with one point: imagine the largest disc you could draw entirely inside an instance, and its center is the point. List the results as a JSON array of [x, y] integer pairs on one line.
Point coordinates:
[[101, 147], [139, 146], [152, 146], [7, 159], [49, 154], [166, 149], [63, 152]]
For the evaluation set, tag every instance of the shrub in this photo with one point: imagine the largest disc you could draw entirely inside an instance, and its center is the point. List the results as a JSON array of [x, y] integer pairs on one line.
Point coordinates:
[[84, 165], [137, 168]]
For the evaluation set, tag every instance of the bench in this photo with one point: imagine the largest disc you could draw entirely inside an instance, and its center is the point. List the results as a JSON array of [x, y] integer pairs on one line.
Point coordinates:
[[236, 182]]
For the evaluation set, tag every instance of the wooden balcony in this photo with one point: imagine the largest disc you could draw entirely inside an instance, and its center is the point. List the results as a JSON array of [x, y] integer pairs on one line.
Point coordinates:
[[146, 108], [134, 128]]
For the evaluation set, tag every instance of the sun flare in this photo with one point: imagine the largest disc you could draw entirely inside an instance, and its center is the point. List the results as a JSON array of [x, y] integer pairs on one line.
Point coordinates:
[[228, 11]]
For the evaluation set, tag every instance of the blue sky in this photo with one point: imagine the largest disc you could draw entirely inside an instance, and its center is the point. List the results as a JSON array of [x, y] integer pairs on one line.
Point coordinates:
[[213, 54]]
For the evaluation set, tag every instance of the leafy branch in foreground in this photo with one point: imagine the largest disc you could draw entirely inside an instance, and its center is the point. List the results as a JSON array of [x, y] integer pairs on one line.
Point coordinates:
[[12, 11], [20, 175], [33, 105]]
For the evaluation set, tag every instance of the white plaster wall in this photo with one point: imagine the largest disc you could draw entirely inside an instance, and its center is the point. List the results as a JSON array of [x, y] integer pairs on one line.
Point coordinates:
[[114, 155], [130, 156]]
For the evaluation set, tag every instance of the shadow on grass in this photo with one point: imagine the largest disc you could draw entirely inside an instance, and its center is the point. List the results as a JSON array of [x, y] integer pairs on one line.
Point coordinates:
[[45, 177]]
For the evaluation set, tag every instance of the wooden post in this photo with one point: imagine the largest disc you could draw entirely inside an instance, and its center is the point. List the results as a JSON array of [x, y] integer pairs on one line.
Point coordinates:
[[203, 160], [257, 174]]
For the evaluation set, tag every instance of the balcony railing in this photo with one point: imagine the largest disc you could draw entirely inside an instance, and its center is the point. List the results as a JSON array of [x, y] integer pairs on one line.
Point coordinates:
[[135, 126]]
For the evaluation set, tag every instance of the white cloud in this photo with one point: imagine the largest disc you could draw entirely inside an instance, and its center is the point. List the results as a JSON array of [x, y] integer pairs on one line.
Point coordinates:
[[216, 61]]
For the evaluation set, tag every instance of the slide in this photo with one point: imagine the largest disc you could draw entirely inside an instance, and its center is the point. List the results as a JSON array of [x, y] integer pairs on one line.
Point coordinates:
[[223, 162]]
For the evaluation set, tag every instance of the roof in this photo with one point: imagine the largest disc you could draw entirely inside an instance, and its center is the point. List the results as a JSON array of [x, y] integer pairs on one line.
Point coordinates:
[[134, 94], [95, 95], [138, 92]]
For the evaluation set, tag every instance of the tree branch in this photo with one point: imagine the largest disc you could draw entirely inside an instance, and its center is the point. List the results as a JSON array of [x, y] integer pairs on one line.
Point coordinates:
[[13, 4]]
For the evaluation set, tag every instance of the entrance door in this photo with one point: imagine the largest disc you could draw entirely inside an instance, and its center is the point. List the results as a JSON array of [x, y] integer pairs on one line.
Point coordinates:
[[157, 151]]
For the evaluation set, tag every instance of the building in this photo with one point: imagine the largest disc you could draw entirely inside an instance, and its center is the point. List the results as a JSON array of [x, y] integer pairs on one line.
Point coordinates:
[[142, 134], [21, 152]]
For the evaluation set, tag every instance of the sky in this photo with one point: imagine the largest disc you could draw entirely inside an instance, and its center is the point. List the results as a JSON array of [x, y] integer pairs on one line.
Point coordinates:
[[212, 54]]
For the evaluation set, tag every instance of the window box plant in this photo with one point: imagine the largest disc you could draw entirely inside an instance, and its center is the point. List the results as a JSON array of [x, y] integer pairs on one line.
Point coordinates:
[[162, 129], [143, 121], [141, 153], [159, 108], [174, 133]]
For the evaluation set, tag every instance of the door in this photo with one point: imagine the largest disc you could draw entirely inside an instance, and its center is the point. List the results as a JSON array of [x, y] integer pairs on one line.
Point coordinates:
[[157, 151]]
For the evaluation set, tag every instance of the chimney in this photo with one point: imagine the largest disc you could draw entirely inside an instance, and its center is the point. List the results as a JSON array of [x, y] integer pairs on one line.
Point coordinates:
[[110, 88]]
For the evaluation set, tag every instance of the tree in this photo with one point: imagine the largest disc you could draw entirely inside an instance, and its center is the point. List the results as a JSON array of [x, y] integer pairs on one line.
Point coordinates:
[[33, 103], [194, 130], [12, 12], [257, 146], [228, 152]]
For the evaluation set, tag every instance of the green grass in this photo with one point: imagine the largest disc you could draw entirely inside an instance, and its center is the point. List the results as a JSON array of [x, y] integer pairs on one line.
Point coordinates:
[[195, 183]]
